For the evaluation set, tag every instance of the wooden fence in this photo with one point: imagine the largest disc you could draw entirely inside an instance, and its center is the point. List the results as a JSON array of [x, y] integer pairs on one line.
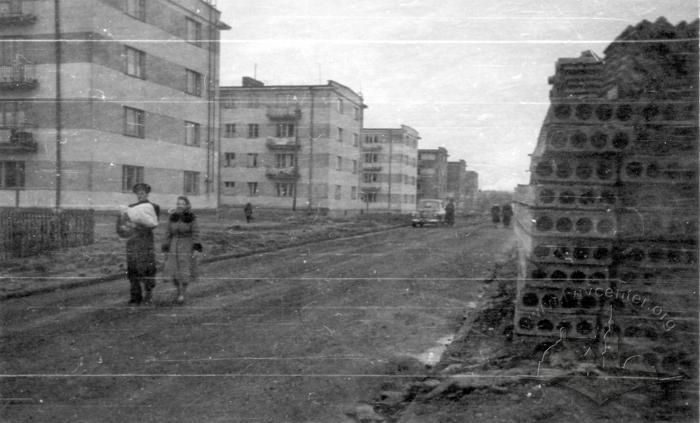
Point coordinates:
[[25, 232]]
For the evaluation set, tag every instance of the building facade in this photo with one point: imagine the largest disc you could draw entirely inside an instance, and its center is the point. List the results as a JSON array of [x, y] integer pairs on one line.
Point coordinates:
[[432, 173], [462, 185], [295, 147], [389, 168], [97, 96], [456, 175], [470, 194]]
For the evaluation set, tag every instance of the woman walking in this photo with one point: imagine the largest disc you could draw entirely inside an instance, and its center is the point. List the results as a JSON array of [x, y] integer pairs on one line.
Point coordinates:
[[182, 247]]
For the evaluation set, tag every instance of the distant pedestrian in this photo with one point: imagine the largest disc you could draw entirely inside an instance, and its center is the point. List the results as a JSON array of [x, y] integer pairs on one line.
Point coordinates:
[[450, 212], [496, 215], [182, 247], [248, 210], [507, 213], [137, 224]]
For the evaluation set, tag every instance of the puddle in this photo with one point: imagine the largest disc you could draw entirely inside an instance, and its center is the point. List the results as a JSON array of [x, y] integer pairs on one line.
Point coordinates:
[[432, 355]]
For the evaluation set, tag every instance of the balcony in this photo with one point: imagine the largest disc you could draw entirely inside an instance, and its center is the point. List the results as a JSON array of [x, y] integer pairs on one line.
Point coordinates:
[[371, 167], [370, 189], [284, 173], [17, 12], [19, 76], [288, 113], [17, 139], [371, 147], [287, 144]]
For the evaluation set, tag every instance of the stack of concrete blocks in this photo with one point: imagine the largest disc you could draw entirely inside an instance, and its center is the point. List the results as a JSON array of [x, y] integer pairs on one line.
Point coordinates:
[[607, 228]]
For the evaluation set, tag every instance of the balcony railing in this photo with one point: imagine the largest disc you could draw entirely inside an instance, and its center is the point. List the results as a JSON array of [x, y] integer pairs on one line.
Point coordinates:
[[289, 113], [18, 76], [370, 189], [17, 12], [17, 139], [372, 167], [282, 173], [274, 143], [371, 147]]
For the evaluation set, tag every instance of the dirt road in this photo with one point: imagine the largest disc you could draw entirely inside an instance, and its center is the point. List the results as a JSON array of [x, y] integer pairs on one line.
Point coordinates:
[[300, 335]]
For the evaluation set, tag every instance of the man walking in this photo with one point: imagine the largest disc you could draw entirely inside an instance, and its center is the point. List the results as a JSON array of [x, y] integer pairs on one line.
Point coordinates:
[[140, 250]]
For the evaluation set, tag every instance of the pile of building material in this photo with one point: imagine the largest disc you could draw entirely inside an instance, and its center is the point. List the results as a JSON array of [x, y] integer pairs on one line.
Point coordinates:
[[607, 227]]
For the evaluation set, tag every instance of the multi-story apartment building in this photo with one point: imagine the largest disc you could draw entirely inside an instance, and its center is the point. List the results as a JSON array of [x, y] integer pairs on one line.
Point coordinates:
[[432, 173], [456, 174], [389, 168], [291, 146], [471, 190], [462, 185], [97, 96]]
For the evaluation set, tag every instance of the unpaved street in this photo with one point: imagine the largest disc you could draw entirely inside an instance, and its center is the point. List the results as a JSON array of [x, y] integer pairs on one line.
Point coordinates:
[[299, 335]]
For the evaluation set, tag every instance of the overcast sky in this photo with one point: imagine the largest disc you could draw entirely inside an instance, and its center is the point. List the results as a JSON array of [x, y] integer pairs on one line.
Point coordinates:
[[469, 75]]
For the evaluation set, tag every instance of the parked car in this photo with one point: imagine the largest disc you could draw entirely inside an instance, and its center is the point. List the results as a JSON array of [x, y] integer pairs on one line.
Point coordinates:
[[430, 211]]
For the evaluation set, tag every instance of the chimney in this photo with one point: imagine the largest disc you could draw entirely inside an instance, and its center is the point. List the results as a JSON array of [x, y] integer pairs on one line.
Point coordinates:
[[251, 82]]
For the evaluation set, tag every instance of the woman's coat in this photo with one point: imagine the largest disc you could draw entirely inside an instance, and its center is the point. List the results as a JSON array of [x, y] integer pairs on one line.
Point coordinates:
[[182, 240]]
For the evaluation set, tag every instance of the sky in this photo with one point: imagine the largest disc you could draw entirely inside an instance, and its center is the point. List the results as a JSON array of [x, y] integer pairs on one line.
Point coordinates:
[[468, 75]]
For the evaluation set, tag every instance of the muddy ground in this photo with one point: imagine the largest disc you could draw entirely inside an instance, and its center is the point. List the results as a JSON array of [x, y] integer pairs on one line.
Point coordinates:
[[489, 375], [224, 233], [302, 334]]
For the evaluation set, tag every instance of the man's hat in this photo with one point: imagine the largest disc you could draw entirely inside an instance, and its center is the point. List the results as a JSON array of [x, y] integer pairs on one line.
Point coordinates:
[[142, 185]]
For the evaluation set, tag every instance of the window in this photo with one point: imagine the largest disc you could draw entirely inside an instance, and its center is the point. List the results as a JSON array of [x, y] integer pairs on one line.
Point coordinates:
[[136, 9], [252, 189], [354, 166], [229, 159], [253, 130], [285, 189], [338, 192], [11, 114], [191, 183], [353, 193], [369, 177], [371, 139], [371, 158], [285, 130], [338, 163], [134, 62], [228, 102], [192, 133], [340, 106], [252, 160], [355, 140], [358, 113], [340, 134], [134, 122], [131, 175], [229, 187], [284, 160], [369, 197], [193, 84], [11, 174], [194, 31], [229, 130]]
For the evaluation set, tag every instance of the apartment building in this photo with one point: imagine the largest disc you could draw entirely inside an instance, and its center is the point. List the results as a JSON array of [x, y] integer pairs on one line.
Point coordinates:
[[97, 96], [432, 173], [291, 146], [470, 193], [389, 168]]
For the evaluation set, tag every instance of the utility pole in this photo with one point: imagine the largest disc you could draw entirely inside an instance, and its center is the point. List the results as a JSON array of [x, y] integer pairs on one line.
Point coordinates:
[[58, 46]]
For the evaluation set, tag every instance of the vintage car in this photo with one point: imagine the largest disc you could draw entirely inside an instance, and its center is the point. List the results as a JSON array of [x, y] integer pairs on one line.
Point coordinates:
[[430, 211]]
